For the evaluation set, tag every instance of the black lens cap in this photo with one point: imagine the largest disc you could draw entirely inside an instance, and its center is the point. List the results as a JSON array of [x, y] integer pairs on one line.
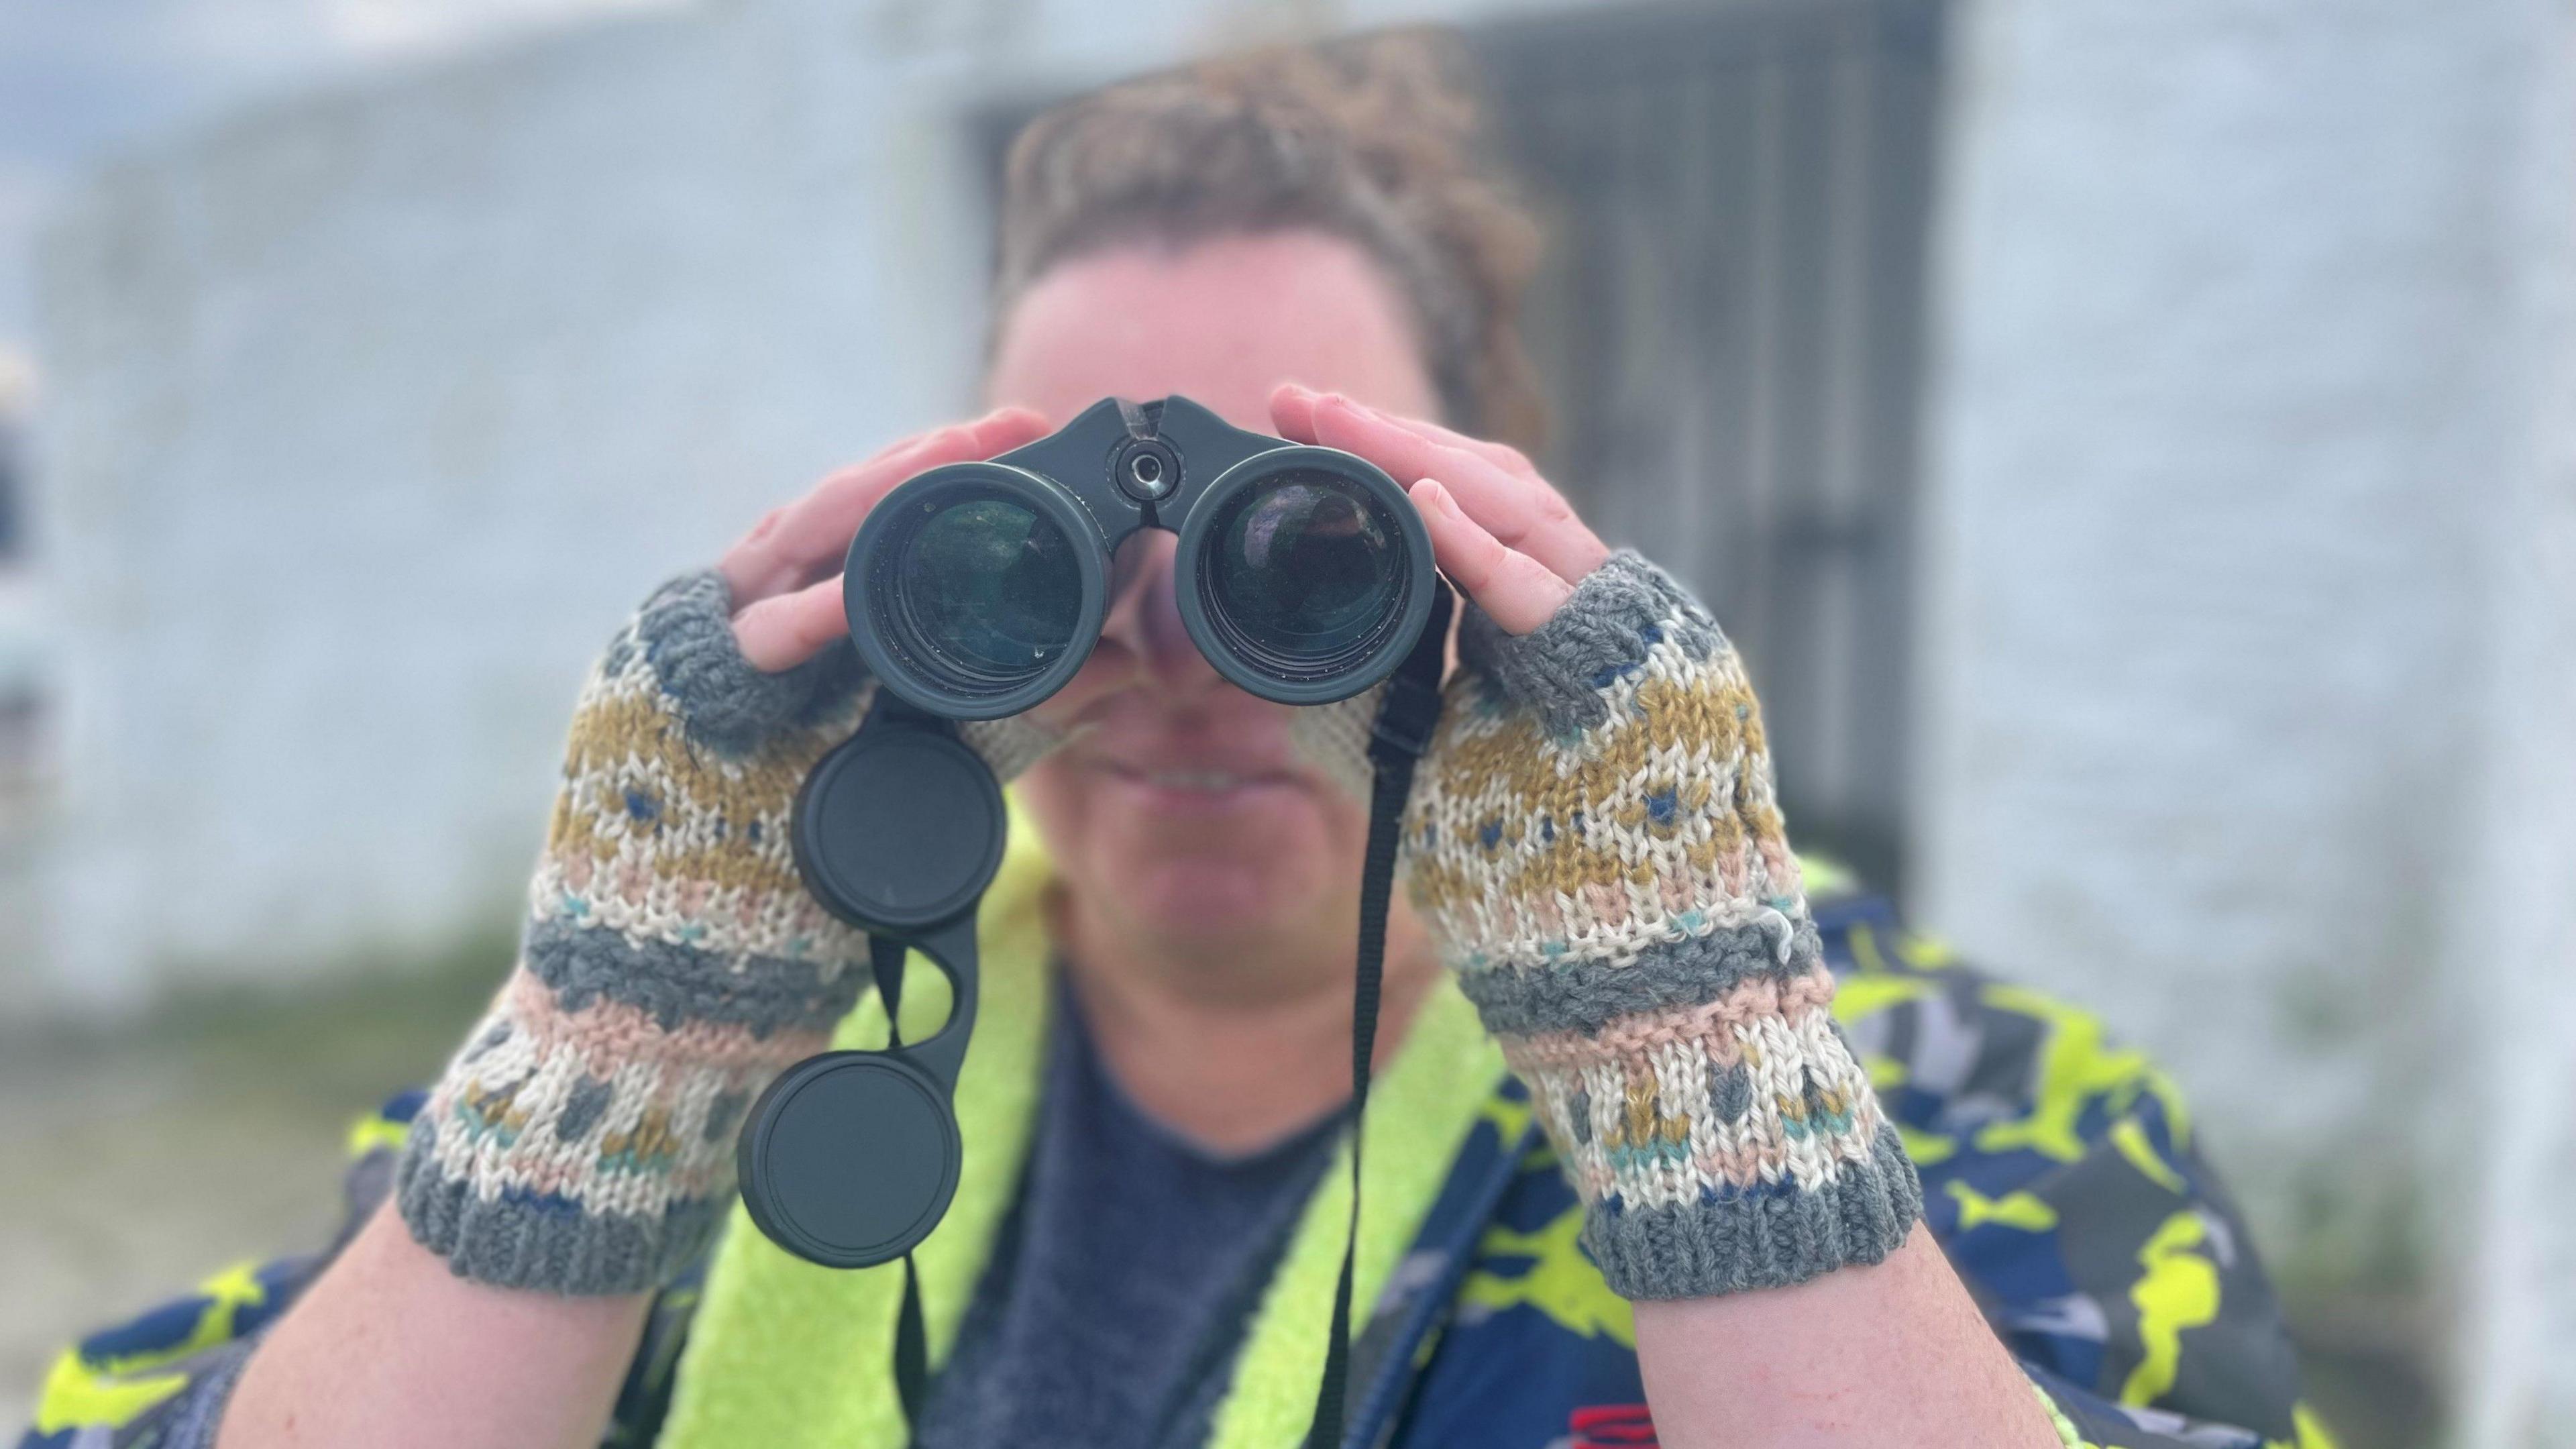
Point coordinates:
[[849, 1160], [899, 827]]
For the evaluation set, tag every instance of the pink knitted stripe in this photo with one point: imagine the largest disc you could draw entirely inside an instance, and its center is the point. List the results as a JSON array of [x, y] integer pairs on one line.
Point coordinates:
[[607, 1032], [1712, 1025]]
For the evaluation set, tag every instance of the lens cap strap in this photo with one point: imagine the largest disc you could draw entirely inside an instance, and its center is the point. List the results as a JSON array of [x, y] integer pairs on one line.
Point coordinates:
[[897, 831], [911, 1351], [1404, 724], [911, 1346], [885, 961]]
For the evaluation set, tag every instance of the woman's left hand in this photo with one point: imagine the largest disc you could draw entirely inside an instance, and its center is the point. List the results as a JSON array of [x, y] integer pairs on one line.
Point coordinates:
[[1498, 530], [1802, 1272]]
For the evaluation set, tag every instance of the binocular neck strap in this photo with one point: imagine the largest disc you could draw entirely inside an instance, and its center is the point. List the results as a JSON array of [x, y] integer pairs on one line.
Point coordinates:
[[1403, 732]]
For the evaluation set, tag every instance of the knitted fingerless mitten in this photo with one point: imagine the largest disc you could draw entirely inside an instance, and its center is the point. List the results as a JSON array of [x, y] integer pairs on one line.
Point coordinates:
[[1595, 840], [582, 1141]]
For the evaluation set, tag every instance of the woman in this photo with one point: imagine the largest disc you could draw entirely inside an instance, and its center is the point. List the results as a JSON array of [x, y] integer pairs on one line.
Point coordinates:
[[1675, 1201]]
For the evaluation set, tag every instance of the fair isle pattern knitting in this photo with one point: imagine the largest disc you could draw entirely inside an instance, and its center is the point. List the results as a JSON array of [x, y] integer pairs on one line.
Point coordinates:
[[1596, 840], [672, 965]]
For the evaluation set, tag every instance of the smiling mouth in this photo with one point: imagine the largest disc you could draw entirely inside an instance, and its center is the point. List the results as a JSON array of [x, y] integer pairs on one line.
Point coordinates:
[[1200, 781]]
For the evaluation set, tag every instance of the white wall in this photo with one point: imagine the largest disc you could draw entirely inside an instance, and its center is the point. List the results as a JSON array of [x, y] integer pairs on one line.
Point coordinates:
[[2518, 928], [2235, 385], [371, 413]]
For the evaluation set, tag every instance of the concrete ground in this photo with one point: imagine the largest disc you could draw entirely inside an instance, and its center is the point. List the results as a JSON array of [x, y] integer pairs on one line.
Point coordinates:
[[141, 1160]]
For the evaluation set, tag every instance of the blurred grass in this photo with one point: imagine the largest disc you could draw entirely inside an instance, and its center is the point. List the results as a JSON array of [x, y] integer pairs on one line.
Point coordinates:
[[143, 1158], [2369, 1360], [2355, 1279]]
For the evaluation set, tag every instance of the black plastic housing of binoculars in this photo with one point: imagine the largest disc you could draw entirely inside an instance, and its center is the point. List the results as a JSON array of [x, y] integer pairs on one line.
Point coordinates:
[[975, 590], [1304, 575]]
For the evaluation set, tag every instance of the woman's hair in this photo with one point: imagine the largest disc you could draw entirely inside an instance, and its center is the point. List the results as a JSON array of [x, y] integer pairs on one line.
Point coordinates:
[[1378, 139]]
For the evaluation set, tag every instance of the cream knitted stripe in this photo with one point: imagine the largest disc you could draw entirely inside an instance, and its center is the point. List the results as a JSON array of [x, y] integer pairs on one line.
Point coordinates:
[[1737, 1098], [601, 1107], [673, 875], [725, 921]]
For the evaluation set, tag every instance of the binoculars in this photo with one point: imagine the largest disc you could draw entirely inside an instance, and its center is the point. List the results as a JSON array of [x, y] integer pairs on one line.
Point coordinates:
[[976, 590]]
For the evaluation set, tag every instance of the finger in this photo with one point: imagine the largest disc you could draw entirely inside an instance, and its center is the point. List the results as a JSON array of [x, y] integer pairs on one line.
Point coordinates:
[[1502, 455], [816, 532], [1523, 513], [1292, 411], [1338, 422], [1005, 428], [1518, 591], [784, 630], [1293, 404], [797, 544]]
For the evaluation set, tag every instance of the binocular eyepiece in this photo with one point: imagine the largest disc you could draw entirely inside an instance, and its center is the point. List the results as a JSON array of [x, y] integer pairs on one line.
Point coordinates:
[[975, 590]]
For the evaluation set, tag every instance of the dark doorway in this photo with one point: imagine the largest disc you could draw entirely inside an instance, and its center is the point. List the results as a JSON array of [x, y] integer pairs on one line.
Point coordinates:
[[1729, 325]]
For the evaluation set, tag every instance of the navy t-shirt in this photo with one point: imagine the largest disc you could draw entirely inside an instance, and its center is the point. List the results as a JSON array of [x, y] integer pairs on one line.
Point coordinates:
[[1125, 1275]]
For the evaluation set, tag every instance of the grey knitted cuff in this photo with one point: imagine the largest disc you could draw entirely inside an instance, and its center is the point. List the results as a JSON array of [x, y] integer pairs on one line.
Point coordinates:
[[1559, 670], [685, 631], [543, 1241], [1764, 1237]]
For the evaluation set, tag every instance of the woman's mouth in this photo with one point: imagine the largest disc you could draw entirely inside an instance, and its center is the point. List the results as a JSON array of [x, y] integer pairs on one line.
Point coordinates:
[[1200, 787], [1196, 779]]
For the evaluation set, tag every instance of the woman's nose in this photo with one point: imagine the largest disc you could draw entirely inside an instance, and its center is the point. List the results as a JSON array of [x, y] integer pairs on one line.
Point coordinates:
[[1145, 617]]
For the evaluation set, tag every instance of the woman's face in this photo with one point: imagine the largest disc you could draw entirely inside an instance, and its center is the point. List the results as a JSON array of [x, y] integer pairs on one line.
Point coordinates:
[[1182, 815]]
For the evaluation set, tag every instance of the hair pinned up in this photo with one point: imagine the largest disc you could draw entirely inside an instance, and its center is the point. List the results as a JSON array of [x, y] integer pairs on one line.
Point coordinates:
[[1377, 138]]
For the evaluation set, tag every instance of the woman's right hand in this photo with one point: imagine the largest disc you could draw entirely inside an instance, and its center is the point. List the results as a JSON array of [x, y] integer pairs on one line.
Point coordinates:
[[579, 1149], [673, 961], [785, 575]]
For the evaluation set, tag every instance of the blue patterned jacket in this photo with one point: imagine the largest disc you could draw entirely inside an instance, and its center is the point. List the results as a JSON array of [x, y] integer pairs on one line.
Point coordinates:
[[2059, 1169]]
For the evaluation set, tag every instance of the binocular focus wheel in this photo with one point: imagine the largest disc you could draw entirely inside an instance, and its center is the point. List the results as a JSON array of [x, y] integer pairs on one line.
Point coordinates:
[[850, 1159]]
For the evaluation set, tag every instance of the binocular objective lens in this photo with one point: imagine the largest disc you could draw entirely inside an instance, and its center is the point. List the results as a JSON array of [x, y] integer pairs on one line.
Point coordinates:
[[990, 589], [1307, 568]]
